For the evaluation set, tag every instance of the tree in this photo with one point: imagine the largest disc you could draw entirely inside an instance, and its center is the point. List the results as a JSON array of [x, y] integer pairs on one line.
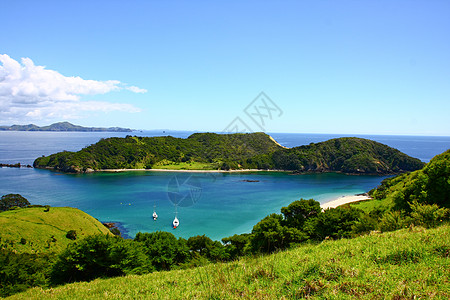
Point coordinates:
[[296, 213], [235, 245], [270, 235], [333, 222], [163, 249], [204, 246], [12, 200], [99, 256], [20, 271]]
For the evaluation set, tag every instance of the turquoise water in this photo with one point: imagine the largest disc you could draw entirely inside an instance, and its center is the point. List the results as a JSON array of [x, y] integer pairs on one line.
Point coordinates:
[[218, 205]]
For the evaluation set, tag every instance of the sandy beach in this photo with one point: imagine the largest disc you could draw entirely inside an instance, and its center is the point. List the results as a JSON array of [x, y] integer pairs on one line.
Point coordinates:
[[188, 171], [344, 200]]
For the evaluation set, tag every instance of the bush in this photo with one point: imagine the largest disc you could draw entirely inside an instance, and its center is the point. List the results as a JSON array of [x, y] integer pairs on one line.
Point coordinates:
[[235, 245], [163, 249], [270, 235], [428, 215], [98, 256], [296, 213], [335, 223], [12, 200], [393, 220], [204, 246], [71, 235], [19, 272]]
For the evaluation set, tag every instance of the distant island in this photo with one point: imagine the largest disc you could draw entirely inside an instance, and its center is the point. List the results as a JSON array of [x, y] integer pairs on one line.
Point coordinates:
[[250, 151], [62, 126]]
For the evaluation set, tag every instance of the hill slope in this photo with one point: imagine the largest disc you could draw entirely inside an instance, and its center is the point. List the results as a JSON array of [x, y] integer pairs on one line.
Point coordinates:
[[233, 151], [45, 231], [346, 155], [376, 266], [430, 185], [199, 151]]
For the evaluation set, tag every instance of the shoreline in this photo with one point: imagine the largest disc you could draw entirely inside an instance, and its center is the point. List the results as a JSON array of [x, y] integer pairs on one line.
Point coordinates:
[[344, 200], [187, 171]]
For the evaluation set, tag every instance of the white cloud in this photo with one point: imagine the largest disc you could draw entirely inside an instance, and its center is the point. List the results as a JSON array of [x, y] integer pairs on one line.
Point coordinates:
[[30, 92], [135, 89]]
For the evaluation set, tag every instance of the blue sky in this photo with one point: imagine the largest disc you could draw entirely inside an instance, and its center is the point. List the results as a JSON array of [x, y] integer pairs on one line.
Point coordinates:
[[351, 67]]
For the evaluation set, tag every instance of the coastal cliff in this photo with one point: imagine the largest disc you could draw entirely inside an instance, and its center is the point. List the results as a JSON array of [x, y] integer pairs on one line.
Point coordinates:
[[210, 151]]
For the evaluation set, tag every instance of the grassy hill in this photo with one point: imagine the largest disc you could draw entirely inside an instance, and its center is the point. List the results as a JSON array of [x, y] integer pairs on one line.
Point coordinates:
[[211, 151], [35, 230], [429, 185], [376, 266]]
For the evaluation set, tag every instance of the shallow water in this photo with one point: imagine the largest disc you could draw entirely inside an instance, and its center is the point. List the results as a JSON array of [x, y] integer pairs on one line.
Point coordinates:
[[218, 204]]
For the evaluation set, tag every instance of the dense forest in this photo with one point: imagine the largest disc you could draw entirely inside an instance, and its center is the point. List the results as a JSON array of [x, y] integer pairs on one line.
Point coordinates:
[[212, 151]]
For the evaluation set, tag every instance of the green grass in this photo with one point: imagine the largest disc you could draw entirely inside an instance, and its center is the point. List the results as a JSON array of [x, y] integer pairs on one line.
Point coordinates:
[[407, 264], [370, 205], [45, 231], [185, 166]]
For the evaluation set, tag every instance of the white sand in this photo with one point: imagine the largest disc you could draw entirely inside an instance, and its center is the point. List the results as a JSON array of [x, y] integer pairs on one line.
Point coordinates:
[[343, 200], [188, 171]]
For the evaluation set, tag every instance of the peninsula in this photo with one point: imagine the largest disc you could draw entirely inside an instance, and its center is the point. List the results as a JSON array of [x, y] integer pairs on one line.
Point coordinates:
[[62, 126], [226, 152]]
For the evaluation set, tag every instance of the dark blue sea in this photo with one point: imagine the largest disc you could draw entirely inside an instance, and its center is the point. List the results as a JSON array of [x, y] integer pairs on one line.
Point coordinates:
[[218, 205]]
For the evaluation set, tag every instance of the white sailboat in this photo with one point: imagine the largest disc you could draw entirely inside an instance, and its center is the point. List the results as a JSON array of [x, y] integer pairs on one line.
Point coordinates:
[[175, 223], [155, 215]]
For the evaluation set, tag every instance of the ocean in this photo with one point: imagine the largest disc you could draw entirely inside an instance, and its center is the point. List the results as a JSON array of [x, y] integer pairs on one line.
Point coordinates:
[[217, 205]]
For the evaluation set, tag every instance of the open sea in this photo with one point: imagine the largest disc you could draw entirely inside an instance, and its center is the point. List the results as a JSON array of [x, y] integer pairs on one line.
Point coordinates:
[[215, 204]]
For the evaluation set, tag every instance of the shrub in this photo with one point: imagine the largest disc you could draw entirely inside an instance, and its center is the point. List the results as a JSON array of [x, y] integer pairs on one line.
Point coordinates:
[[235, 245], [19, 272], [296, 213], [428, 215], [393, 220], [204, 246], [270, 235], [163, 249], [98, 256], [71, 235], [334, 223]]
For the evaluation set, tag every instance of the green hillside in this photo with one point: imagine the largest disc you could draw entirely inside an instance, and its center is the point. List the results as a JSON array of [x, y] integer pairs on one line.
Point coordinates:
[[376, 266], [35, 230], [205, 151], [209, 151], [429, 185], [346, 155]]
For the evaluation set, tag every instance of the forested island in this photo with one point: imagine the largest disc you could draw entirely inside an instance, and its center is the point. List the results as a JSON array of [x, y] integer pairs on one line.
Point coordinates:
[[211, 151], [62, 126]]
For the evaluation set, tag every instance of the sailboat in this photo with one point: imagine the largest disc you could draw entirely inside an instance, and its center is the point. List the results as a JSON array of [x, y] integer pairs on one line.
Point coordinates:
[[175, 222], [155, 215]]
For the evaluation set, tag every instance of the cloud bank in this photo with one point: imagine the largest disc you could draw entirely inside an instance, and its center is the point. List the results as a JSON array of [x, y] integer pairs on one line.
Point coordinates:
[[29, 92]]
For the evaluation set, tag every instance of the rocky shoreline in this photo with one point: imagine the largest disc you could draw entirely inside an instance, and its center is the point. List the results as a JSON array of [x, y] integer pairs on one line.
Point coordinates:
[[17, 165]]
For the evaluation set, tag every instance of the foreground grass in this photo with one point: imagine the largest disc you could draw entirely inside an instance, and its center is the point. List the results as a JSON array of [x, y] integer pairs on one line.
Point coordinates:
[[407, 264], [45, 231]]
